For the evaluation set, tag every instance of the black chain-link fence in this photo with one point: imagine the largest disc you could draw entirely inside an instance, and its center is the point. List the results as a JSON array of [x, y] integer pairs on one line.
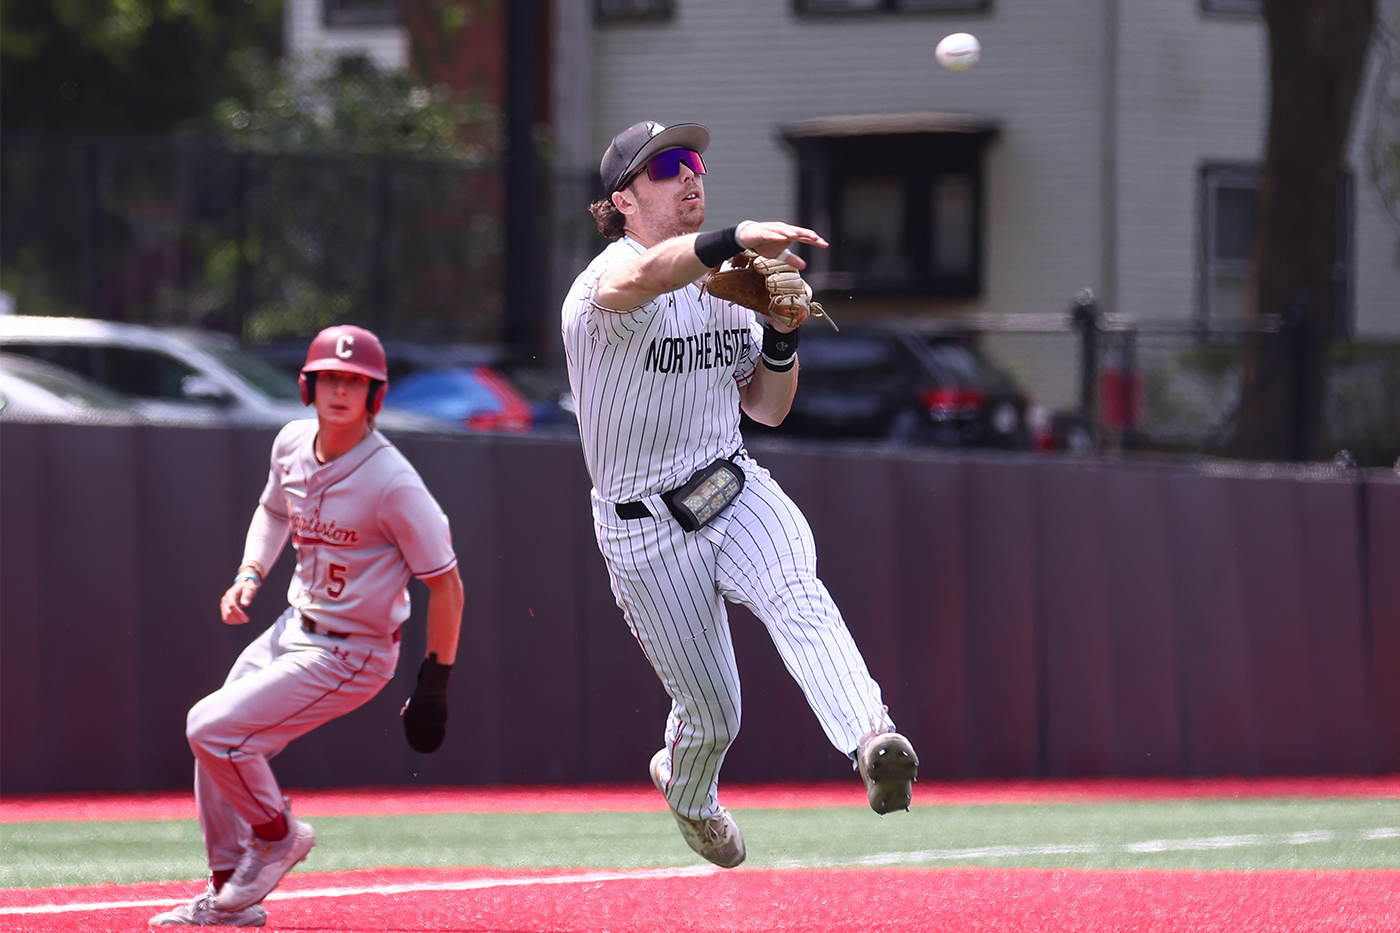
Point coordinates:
[[269, 246], [1116, 382], [261, 245]]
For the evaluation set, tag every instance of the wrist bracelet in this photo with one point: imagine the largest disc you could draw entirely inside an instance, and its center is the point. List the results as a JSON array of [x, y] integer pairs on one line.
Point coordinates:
[[716, 246], [779, 349], [247, 575]]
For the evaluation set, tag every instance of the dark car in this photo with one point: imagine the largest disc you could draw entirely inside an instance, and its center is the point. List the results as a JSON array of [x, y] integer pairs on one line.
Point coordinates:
[[890, 381]]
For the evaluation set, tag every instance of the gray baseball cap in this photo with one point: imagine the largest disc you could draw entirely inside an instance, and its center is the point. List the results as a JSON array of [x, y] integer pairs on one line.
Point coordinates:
[[633, 148]]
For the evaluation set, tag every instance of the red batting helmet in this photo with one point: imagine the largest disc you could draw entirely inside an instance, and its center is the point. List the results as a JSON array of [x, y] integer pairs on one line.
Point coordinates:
[[348, 349]]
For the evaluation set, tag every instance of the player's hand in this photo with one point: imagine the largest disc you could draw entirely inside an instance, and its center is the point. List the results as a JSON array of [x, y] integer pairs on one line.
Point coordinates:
[[425, 713], [772, 239], [237, 598]]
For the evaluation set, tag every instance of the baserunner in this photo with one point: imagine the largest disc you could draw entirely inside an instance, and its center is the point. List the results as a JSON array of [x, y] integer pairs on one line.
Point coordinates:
[[362, 524]]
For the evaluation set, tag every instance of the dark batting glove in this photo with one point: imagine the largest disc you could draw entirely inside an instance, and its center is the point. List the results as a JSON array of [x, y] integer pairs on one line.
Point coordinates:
[[425, 713]]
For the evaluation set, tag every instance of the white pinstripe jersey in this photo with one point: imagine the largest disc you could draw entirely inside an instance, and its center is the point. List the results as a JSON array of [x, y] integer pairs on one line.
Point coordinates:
[[657, 387], [361, 525]]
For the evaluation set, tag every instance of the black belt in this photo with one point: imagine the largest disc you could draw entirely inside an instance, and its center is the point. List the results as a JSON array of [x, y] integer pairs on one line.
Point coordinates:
[[307, 625], [630, 510], [638, 509]]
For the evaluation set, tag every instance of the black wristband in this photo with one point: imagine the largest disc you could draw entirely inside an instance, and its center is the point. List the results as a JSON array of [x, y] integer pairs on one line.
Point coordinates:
[[779, 349], [716, 246]]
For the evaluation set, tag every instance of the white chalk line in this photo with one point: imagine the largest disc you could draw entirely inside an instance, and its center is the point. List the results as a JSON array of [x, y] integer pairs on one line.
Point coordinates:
[[474, 884], [1199, 844], [1204, 843]]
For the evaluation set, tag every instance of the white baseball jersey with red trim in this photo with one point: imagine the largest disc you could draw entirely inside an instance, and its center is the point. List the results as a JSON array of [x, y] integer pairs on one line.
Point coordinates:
[[361, 525]]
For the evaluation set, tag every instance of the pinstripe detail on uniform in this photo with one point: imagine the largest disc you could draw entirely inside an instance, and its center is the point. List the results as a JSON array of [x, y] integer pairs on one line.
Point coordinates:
[[657, 390], [672, 587]]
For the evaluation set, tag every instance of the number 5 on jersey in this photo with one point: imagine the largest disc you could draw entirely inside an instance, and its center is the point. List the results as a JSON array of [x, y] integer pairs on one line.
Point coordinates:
[[335, 580]]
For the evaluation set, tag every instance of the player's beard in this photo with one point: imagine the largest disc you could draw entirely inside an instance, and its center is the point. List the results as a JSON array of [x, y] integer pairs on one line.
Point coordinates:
[[671, 215]]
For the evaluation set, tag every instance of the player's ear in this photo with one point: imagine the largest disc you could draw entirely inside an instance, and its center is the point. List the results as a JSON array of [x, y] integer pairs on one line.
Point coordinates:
[[624, 202]]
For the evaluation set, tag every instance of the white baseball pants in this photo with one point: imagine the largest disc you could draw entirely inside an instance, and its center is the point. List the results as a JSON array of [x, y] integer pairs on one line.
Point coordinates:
[[283, 685], [672, 587]]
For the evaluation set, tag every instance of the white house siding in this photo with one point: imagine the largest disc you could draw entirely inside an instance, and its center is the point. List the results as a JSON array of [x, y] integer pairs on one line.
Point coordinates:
[[746, 67], [1376, 263], [1191, 88], [311, 44]]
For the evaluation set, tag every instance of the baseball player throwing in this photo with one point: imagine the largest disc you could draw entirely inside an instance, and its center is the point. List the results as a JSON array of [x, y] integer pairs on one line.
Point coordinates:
[[685, 518], [362, 523]]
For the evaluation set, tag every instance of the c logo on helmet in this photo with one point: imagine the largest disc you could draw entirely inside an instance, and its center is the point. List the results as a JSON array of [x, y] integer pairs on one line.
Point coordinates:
[[344, 346]]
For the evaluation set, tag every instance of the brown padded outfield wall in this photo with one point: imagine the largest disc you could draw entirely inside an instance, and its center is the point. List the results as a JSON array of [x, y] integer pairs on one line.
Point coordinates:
[[1027, 616]]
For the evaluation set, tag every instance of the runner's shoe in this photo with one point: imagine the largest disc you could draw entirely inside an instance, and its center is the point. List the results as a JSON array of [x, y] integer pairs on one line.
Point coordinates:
[[263, 865], [717, 838], [203, 912]]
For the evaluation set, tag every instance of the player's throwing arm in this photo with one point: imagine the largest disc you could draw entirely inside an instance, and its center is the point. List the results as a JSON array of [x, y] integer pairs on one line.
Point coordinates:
[[669, 333]]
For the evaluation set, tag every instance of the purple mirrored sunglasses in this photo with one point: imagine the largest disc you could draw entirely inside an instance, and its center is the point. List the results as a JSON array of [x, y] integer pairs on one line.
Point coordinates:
[[668, 164]]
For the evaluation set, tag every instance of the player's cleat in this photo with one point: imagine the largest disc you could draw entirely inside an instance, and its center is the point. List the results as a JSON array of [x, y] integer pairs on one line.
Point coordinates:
[[263, 865], [717, 838], [204, 912], [889, 768]]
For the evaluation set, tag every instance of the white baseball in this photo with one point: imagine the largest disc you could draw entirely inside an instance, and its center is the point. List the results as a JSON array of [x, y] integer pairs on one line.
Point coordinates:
[[958, 52]]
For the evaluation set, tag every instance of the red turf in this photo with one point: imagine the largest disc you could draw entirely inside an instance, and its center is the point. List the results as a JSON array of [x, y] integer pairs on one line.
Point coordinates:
[[761, 901]]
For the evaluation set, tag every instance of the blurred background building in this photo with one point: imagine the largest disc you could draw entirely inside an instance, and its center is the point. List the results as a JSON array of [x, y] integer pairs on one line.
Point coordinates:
[[422, 166]]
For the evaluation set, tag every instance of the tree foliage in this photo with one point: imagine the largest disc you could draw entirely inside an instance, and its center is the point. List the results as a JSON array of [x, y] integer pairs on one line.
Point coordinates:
[[144, 66], [352, 108]]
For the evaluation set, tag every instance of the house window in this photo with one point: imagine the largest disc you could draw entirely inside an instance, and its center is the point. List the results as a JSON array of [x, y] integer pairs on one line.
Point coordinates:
[[635, 9], [1228, 237], [900, 203], [361, 12], [1229, 220], [870, 6]]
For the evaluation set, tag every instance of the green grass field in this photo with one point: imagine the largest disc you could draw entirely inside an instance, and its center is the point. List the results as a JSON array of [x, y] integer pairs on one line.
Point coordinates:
[[1285, 833]]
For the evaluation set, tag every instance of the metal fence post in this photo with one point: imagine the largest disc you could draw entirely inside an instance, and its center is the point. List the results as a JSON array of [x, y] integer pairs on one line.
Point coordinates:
[[1295, 325], [1085, 316]]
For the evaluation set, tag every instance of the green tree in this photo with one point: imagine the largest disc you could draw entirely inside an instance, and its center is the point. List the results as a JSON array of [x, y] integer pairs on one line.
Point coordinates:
[[353, 108], [144, 66]]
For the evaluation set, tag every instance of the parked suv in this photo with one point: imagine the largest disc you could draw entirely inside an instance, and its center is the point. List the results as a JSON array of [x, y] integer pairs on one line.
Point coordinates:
[[890, 381], [175, 375]]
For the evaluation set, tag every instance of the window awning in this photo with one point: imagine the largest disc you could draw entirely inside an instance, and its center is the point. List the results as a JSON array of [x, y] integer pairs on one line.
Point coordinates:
[[878, 124]]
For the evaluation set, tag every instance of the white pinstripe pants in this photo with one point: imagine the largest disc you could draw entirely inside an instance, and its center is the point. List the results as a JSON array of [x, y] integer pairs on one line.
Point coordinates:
[[672, 587]]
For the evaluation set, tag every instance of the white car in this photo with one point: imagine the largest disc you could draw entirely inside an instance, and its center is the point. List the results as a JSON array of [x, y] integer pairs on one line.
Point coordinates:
[[32, 390], [177, 375]]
